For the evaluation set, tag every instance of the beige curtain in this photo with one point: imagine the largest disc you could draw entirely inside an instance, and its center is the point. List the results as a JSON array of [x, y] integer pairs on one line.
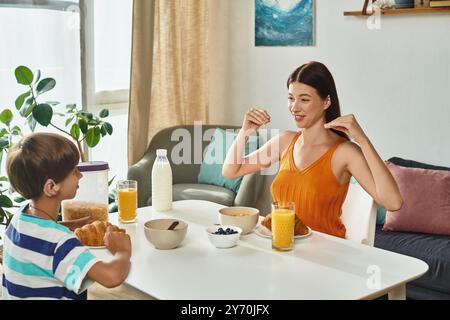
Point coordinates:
[[169, 77]]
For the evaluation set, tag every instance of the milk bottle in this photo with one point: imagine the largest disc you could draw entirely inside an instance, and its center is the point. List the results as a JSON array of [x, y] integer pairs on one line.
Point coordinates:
[[161, 182]]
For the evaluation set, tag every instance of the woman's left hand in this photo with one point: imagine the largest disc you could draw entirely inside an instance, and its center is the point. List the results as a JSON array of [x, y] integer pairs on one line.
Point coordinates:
[[349, 126]]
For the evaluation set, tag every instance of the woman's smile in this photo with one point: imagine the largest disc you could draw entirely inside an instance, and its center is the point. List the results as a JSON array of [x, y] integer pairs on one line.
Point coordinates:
[[299, 118]]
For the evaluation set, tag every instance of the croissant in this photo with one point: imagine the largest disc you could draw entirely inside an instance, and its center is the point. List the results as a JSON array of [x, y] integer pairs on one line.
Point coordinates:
[[93, 234], [299, 229]]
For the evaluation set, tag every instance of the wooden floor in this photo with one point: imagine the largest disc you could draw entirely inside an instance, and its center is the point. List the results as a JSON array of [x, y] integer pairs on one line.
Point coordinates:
[[123, 292]]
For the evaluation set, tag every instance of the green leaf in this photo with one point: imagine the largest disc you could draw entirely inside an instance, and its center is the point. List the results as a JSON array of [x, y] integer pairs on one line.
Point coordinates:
[[75, 131], [103, 131], [6, 116], [93, 137], [21, 99], [43, 114], [108, 127], [19, 199], [5, 202], [27, 108], [24, 75], [4, 143], [94, 122], [4, 179], [31, 123], [68, 121], [45, 85], [104, 113], [16, 131], [111, 181], [3, 132], [83, 126], [71, 107], [38, 76]]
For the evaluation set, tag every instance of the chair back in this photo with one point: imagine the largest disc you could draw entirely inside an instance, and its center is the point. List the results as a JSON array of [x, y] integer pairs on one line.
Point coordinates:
[[359, 215]]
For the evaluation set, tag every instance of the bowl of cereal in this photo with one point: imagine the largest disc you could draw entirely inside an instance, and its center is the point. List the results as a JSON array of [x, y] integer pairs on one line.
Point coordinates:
[[245, 218]]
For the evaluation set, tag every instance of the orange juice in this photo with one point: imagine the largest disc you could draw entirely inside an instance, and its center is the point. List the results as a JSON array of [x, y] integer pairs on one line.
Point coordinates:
[[127, 202], [283, 221]]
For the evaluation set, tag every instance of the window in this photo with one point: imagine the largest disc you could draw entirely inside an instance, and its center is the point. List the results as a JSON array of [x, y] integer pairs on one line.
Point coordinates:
[[108, 52], [45, 37], [112, 45]]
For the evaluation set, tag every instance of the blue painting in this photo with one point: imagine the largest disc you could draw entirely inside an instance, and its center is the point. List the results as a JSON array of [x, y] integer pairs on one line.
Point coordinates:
[[284, 22]]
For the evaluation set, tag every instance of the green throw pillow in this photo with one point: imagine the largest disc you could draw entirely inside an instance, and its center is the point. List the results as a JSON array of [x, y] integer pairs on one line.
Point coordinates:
[[381, 215], [211, 168]]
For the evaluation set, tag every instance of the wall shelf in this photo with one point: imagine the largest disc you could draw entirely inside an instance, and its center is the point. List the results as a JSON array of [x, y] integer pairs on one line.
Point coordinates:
[[399, 11]]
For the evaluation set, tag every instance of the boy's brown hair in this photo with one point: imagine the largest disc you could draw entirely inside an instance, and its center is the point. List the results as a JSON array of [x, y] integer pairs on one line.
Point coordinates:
[[38, 157]]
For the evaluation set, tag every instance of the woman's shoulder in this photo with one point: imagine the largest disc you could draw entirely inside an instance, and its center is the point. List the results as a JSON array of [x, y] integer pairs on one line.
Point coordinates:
[[283, 137], [287, 136], [347, 148]]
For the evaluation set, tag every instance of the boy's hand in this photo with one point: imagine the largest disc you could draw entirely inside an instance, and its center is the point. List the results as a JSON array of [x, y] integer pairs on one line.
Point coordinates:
[[117, 242]]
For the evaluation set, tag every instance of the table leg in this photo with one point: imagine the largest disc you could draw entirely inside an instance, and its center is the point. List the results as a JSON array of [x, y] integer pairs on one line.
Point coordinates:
[[398, 293]]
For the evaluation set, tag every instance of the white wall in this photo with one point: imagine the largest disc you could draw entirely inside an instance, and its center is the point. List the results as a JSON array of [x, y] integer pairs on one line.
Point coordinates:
[[395, 80]]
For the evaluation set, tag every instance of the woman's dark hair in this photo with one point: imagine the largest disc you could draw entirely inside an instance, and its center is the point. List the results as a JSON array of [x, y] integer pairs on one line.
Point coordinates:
[[317, 75]]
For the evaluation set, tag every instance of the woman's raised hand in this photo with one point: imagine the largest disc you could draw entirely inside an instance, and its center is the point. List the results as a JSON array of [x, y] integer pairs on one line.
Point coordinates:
[[255, 118], [349, 126]]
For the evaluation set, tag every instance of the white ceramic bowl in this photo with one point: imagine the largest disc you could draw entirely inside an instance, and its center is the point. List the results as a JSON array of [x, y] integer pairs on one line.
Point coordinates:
[[157, 234], [223, 240], [245, 218]]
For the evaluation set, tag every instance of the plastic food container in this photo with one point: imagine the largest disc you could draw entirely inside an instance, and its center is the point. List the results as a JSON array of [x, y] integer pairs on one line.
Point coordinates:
[[92, 195]]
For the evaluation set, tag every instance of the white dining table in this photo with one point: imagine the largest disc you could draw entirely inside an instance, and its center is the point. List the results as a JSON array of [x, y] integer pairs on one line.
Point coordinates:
[[319, 267]]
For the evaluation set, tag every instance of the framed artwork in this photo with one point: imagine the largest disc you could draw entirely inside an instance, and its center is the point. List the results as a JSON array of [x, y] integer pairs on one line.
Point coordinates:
[[284, 22]]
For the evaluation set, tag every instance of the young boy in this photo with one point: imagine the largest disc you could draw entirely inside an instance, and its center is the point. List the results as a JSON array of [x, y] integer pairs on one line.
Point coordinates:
[[41, 258]]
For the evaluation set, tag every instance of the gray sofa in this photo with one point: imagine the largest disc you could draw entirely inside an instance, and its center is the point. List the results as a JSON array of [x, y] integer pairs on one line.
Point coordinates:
[[431, 248], [185, 176]]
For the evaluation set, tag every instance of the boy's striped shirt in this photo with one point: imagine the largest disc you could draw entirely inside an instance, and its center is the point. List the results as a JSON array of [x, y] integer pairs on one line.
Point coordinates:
[[43, 260]]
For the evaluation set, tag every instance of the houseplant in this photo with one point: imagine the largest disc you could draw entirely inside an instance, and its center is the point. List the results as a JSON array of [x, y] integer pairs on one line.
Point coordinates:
[[81, 126]]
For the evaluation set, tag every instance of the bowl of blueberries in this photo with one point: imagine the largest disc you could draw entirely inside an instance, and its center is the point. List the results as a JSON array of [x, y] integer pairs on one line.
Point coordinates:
[[224, 236]]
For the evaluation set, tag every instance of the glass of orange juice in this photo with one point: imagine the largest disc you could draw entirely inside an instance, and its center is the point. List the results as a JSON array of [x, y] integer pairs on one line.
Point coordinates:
[[127, 200], [283, 222]]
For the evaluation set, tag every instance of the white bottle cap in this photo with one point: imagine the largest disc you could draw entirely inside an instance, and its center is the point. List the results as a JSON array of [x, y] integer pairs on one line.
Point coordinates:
[[161, 153]]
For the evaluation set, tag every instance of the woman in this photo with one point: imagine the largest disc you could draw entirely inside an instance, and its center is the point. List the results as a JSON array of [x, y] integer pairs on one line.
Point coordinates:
[[317, 162]]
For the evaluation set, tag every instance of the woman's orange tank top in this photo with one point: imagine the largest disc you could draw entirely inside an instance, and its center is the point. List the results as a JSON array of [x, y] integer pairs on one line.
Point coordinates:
[[317, 194]]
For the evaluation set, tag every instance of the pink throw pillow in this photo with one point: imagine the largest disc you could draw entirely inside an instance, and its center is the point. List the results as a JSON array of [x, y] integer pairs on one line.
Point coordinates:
[[426, 201]]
